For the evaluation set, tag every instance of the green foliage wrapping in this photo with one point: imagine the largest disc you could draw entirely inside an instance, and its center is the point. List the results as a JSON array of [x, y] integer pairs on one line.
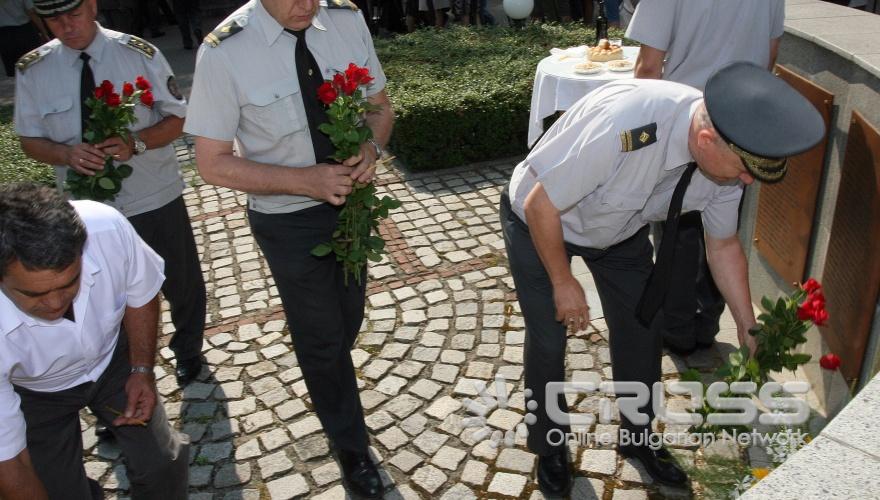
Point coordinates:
[[14, 165], [462, 95]]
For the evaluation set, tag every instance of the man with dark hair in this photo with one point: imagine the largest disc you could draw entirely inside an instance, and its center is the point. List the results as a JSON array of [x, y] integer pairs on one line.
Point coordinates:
[[51, 88], [78, 320]]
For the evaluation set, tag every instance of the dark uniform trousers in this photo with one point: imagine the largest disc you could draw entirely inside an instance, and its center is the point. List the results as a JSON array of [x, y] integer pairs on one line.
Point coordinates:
[[323, 315], [620, 273], [168, 231], [156, 456]]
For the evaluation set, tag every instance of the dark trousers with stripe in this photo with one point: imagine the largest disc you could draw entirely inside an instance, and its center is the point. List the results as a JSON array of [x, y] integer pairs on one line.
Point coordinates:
[[156, 456], [324, 315], [620, 273], [168, 231]]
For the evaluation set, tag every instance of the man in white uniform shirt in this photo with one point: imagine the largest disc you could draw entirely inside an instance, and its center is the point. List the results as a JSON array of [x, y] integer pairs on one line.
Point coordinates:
[[629, 153], [78, 321], [685, 41], [50, 114]]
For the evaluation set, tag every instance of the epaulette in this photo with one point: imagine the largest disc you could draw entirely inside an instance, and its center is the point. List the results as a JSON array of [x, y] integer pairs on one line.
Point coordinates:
[[29, 59], [637, 138], [140, 45], [222, 33], [341, 4]]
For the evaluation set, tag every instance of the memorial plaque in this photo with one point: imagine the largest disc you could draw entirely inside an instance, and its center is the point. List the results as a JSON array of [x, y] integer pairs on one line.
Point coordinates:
[[851, 278], [784, 221]]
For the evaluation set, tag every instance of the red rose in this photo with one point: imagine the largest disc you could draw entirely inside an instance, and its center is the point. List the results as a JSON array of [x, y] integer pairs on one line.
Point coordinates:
[[830, 361], [99, 92], [127, 89], [811, 286], [349, 86], [357, 74], [326, 93], [113, 100], [142, 83], [339, 81], [147, 98], [107, 87], [820, 317]]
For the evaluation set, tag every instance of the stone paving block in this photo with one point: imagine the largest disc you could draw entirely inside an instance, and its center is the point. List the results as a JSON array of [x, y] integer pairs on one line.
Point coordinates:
[[290, 409], [402, 406], [199, 475], [722, 448], [377, 369], [458, 492], [479, 369], [378, 420], [621, 494], [425, 389], [452, 357], [393, 438], [429, 478], [414, 424], [276, 463], [256, 421], [425, 354], [517, 460], [232, 475], [429, 442], [474, 472], [391, 385], [599, 461], [394, 351], [371, 399], [288, 487], [448, 457], [408, 369], [507, 484], [326, 474], [430, 339], [304, 427], [405, 461], [444, 373], [310, 447], [442, 407], [503, 419]]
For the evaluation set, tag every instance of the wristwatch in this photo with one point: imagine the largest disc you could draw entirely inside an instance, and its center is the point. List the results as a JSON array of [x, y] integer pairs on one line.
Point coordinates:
[[139, 145], [147, 370], [377, 146]]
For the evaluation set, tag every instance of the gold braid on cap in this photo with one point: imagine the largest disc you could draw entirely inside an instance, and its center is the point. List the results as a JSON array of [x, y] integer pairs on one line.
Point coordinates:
[[766, 169]]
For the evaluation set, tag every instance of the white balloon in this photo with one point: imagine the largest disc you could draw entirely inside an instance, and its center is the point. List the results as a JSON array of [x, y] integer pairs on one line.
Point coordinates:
[[518, 9]]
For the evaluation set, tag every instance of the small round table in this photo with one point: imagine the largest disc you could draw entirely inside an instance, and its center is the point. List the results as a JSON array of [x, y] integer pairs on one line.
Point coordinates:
[[557, 87]]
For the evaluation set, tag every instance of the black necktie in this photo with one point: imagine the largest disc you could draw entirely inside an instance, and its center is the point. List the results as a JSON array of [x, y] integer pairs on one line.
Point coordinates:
[[309, 75], [86, 90], [658, 282]]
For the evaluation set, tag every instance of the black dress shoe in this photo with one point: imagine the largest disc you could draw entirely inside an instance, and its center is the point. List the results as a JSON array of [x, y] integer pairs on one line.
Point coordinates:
[[359, 474], [102, 432], [658, 463], [681, 351], [188, 369], [554, 475]]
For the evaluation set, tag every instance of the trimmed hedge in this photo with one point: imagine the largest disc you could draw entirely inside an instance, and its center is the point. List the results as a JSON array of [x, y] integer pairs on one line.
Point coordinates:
[[462, 95], [14, 165]]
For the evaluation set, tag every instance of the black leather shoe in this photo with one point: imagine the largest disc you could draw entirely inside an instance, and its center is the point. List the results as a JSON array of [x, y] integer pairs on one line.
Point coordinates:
[[659, 464], [188, 369], [554, 475], [102, 432], [359, 474]]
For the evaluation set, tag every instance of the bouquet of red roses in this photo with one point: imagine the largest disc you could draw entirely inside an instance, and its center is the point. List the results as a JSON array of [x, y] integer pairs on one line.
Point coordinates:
[[111, 114], [353, 241]]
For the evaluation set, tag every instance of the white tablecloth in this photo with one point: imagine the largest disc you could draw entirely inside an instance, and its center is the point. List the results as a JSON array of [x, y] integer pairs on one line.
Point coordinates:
[[557, 87]]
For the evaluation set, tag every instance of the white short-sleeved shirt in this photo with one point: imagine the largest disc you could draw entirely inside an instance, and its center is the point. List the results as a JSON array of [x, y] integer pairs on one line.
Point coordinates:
[[246, 88], [47, 104], [119, 270], [606, 194], [700, 36]]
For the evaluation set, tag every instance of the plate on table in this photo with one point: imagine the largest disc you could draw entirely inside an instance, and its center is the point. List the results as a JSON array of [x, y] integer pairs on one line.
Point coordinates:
[[588, 68], [620, 66]]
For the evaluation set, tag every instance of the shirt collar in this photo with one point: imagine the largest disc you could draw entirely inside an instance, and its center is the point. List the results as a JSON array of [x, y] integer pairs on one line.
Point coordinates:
[[11, 317], [272, 29], [95, 49]]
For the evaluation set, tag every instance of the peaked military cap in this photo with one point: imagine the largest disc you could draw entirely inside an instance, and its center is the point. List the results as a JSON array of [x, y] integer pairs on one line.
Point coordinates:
[[49, 8], [762, 118]]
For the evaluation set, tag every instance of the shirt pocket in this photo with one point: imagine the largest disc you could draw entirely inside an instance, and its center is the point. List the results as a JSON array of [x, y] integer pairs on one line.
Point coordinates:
[[61, 122], [275, 109], [614, 209]]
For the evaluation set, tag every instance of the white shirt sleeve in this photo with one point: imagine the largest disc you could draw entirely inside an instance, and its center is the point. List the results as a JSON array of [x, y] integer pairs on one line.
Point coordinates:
[[722, 212], [379, 79], [13, 430], [653, 23], [777, 21], [572, 164], [144, 268], [27, 117], [213, 103], [161, 75]]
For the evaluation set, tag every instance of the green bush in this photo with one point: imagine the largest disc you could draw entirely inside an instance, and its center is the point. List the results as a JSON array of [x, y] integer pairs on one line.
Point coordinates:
[[462, 95], [14, 165]]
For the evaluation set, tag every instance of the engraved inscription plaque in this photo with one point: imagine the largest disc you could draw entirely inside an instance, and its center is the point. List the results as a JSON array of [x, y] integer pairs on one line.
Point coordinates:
[[784, 221], [852, 267]]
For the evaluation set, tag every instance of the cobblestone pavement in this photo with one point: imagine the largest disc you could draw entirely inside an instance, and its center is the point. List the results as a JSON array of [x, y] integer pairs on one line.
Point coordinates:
[[441, 322]]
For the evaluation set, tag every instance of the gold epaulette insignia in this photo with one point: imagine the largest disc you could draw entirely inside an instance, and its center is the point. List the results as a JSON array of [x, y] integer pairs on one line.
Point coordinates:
[[342, 4], [141, 45], [222, 33], [29, 59], [637, 138]]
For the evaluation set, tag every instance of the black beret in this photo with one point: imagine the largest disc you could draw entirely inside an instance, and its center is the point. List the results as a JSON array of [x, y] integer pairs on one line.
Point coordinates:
[[762, 118], [49, 8]]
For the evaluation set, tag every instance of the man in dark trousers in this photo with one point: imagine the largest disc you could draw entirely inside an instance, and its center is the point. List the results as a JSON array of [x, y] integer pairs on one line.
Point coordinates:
[[629, 153]]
